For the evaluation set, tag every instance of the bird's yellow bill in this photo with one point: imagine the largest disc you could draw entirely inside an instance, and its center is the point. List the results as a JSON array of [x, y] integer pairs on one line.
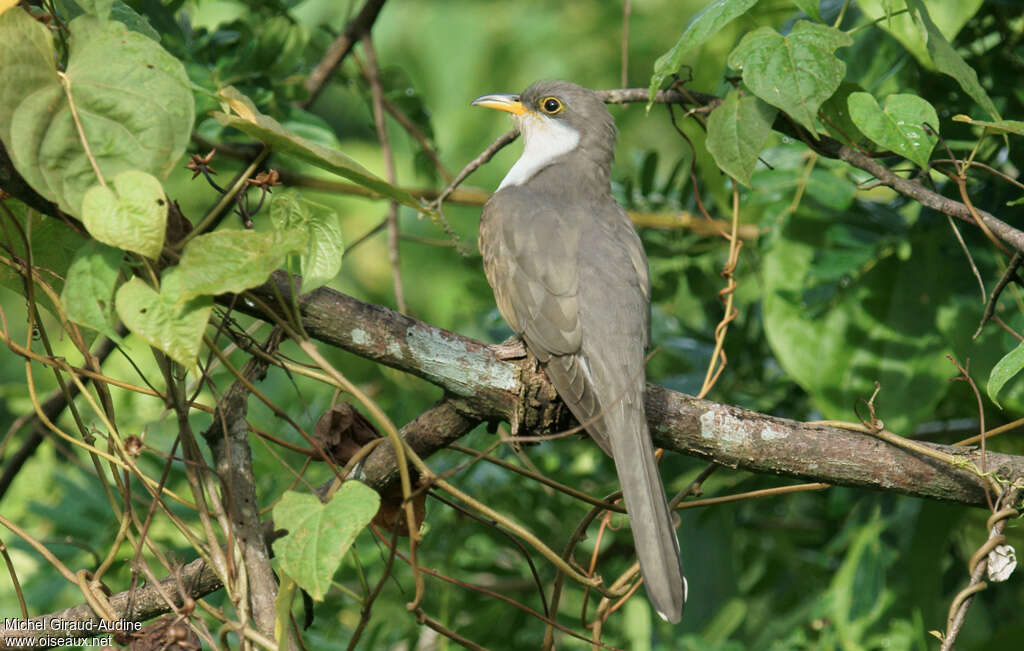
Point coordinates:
[[507, 103]]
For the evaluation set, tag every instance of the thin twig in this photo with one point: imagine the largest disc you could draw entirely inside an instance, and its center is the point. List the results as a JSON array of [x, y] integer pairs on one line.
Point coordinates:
[[372, 73], [1009, 275]]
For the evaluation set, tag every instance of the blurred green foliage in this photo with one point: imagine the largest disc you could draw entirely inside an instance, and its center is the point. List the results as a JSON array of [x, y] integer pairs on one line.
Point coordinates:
[[847, 284]]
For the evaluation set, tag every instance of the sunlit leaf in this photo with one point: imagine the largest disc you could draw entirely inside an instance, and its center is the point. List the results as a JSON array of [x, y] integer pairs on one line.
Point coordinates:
[[900, 126], [321, 259], [796, 72], [130, 214], [122, 93], [320, 534], [233, 260], [892, 16], [164, 320], [88, 296]]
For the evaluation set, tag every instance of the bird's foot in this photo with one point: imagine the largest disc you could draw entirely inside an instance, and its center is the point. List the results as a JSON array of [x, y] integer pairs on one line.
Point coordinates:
[[511, 348]]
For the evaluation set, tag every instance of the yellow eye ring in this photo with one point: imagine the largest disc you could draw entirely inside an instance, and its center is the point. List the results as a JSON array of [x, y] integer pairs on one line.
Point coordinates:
[[551, 105]]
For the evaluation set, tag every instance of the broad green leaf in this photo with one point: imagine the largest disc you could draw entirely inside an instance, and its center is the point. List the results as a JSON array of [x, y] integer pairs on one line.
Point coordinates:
[[319, 534], [948, 62], [321, 260], [233, 261], [809, 7], [795, 73], [701, 27], [882, 326], [164, 320], [835, 115], [737, 131], [949, 17], [900, 126], [53, 245], [88, 296], [269, 131], [26, 63], [1016, 127], [132, 99], [1005, 370], [132, 215]]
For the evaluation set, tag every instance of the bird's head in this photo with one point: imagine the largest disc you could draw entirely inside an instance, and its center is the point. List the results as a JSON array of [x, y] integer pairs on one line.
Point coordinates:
[[560, 117]]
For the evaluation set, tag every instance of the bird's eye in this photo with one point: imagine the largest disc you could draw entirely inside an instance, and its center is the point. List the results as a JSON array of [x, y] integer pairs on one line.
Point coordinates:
[[550, 105]]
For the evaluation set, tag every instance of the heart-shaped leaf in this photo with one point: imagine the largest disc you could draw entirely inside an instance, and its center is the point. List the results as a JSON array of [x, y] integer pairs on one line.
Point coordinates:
[[900, 127], [796, 72], [163, 321], [319, 534], [321, 260], [233, 261], [88, 296], [122, 93], [131, 215], [737, 131]]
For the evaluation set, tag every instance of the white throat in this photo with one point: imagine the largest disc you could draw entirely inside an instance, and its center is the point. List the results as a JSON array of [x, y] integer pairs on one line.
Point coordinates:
[[544, 140]]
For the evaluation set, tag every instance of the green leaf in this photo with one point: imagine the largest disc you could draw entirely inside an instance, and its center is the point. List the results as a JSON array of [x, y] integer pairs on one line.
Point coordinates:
[[132, 99], [319, 535], [835, 115], [795, 73], [53, 245], [809, 7], [164, 320], [900, 126], [949, 17], [88, 296], [948, 62], [321, 260], [1004, 370], [233, 260], [98, 8], [270, 132], [1016, 127], [701, 27], [131, 216], [26, 63], [737, 131]]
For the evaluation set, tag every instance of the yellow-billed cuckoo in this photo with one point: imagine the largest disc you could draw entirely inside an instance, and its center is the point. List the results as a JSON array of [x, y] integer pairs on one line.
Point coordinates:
[[570, 276]]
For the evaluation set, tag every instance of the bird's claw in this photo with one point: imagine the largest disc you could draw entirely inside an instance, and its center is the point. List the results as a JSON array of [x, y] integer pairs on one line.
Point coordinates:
[[511, 348]]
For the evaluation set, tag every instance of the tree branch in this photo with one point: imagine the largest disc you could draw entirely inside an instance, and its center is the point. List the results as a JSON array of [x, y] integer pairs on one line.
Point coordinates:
[[194, 579], [483, 388], [339, 49]]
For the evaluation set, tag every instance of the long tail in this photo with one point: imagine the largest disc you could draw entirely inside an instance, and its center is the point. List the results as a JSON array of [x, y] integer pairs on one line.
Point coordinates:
[[653, 532]]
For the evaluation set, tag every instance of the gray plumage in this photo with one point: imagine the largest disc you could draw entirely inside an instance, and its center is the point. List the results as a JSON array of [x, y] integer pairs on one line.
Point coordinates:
[[569, 275]]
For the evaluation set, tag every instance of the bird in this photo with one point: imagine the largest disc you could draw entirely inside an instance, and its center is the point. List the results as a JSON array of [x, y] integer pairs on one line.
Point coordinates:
[[570, 277]]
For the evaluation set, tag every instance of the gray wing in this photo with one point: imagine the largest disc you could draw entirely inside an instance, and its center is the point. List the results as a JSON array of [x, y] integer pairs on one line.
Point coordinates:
[[574, 284], [531, 259]]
